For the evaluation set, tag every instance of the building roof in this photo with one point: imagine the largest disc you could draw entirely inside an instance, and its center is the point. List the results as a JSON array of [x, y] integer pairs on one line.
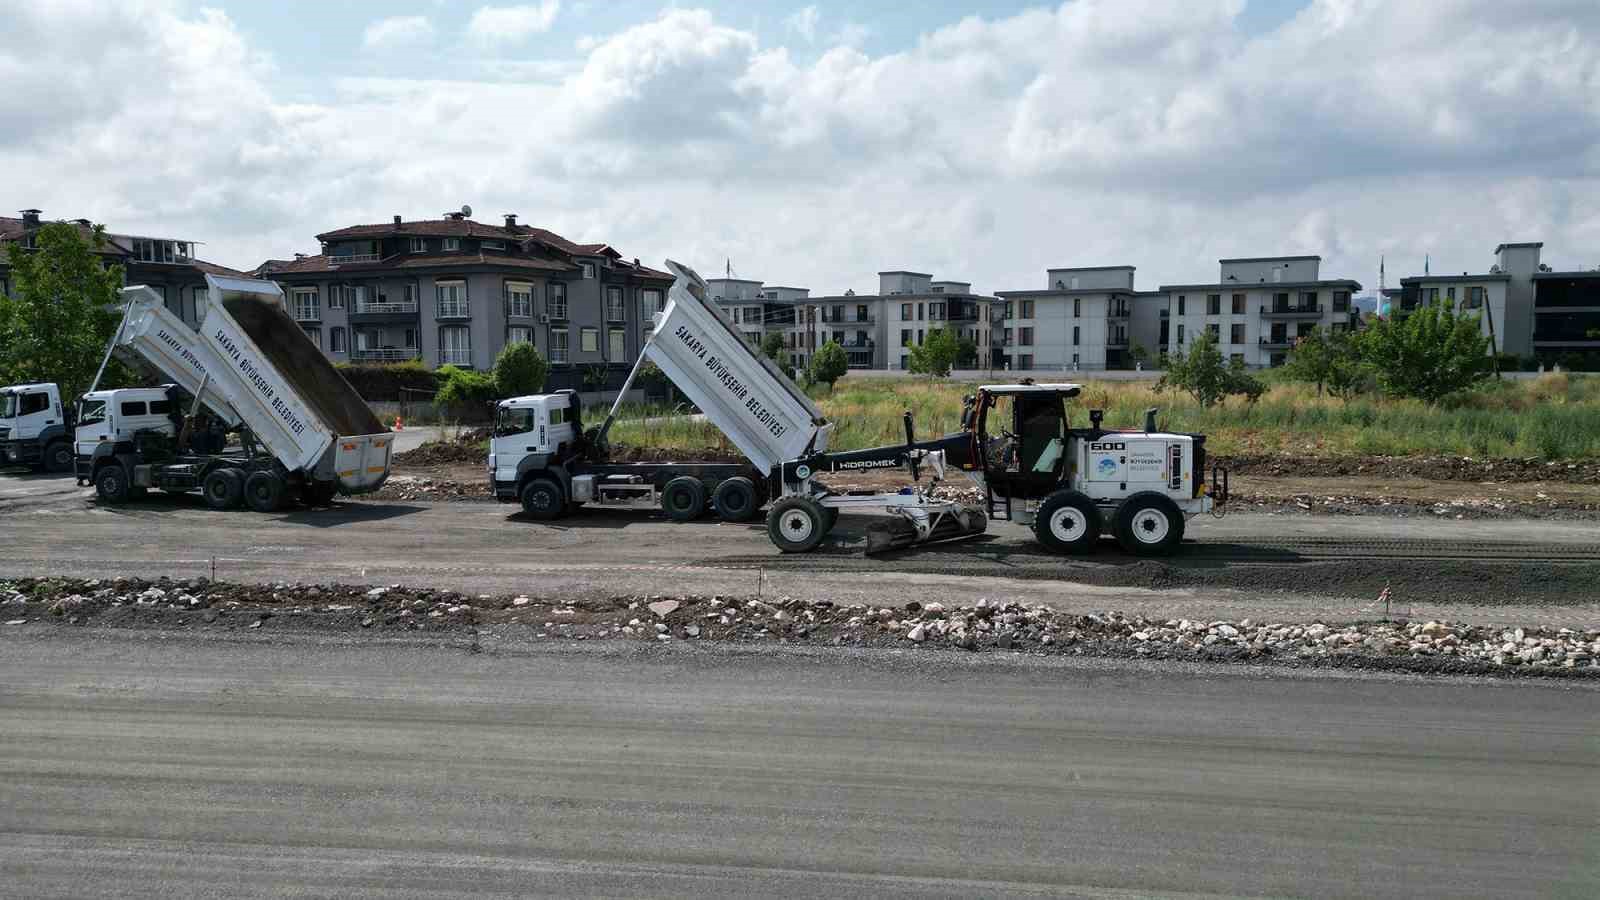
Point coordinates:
[[905, 272], [463, 227], [1546, 276], [735, 280], [1067, 292], [1533, 244], [1418, 279], [115, 245], [324, 264], [780, 287], [1253, 259], [1090, 268], [1226, 286]]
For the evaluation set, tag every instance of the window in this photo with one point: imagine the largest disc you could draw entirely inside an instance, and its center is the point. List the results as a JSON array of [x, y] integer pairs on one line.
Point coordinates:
[[1236, 333], [132, 408], [336, 340], [617, 345], [614, 308], [1181, 298], [919, 337], [1238, 304], [555, 300], [1025, 336], [558, 345], [1076, 330], [409, 292], [519, 299], [1449, 293], [452, 299], [306, 306], [588, 269], [557, 416], [491, 245], [905, 337], [33, 403], [316, 336], [652, 301], [160, 407], [451, 244], [519, 334], [1077, 307], [455, 346], [905, 312], [1180, 332], [1213, 304], [419, 245], [1214, 330], [411, 339], [145, 250], [1025, 361], [1027, 309], [336, 295], [1474, 298], [1341, 301], [589, 340], [861, 312], [935, 311], [1008, 310], [1006, 339]]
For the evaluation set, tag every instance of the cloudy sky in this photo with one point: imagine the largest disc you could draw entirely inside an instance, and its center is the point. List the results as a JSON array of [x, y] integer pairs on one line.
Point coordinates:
[[815, 144]]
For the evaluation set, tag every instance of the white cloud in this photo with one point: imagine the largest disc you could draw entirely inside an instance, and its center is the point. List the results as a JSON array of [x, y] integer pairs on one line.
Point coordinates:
[[1096, 132], [512, 24], [803, 22], [397, 31]]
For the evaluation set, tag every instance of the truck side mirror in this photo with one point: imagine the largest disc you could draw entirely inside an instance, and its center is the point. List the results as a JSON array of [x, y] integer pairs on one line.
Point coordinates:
[[1150, 419]]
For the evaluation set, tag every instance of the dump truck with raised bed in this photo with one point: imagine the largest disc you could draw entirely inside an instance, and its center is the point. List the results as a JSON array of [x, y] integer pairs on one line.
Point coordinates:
[[249, 372], [1071, 485], [35, 428]]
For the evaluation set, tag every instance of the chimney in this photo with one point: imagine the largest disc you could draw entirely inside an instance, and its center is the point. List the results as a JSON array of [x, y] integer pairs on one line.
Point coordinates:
[[511, 220], [299, 256], [636, 262], [30, 218], [397, 223]]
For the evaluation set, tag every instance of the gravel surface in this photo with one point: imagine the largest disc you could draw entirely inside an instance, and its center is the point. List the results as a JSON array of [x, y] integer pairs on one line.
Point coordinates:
[[982, 626], [1432, 468]]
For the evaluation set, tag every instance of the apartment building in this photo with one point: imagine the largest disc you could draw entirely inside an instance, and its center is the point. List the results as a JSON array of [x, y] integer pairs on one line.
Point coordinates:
[[1087, 318], [1525, 306], [453, 291], [169, 266], [1257, 308], [914, 304]]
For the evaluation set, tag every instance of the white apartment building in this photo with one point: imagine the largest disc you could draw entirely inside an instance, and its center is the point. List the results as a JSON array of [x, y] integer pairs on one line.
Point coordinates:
[[1257, 308], [1087, 318], [914, 304]]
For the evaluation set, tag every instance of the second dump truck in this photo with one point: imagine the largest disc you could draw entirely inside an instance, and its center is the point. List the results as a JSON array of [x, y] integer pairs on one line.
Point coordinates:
[[1071, 485], [249, 372]]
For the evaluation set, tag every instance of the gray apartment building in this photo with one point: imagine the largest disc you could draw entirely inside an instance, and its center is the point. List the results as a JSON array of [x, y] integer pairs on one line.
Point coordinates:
[[167, 265], [1087, 318], [453, 291], [1257, 308]]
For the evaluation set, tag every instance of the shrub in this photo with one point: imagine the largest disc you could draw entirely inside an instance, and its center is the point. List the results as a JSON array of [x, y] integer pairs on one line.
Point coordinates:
[[519, 370], [464, 393], [389, 381], [936, 354], [1428, 354]]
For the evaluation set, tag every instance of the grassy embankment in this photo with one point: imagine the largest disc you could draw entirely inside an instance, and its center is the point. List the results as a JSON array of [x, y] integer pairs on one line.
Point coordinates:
[[1553, 417]]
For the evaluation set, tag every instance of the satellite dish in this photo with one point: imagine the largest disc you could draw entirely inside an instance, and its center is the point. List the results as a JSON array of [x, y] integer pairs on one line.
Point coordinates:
[[466, 210]]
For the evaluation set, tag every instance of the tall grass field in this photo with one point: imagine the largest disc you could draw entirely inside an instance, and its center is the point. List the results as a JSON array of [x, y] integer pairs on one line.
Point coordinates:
[[1552, 417]]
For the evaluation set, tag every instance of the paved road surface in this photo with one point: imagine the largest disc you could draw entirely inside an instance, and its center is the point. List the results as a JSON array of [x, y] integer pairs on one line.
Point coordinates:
[[138, 766]]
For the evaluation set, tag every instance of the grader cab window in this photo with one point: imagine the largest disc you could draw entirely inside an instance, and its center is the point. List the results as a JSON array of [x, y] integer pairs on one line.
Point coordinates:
[[1024, 440]]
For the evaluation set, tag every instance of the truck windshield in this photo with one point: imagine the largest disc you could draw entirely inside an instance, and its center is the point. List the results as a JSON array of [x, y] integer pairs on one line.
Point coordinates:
[[91, 412], [8, 405], [513, 421]]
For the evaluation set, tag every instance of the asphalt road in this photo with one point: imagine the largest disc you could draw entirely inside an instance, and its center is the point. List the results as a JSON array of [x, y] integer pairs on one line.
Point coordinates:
[[1277, 566], [142, 766]]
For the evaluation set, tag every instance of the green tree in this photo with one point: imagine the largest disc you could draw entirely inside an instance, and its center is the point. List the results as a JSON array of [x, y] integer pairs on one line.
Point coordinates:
[[1202, 373], [936, 354], [519, 370], [463, 393], [62, 311], [772, 346], [1138, 354], [829, 364], [1331, 361], [967, 353], [1428, 353]]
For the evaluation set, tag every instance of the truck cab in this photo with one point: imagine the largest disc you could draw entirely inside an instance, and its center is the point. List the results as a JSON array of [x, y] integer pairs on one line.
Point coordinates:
[[533, 432], [34, 427]]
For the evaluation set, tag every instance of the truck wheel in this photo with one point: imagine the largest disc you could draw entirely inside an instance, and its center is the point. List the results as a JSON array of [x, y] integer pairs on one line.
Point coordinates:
[[684, 498], [223, 489], [735, 499], [58, 457], [796, 524], [541, 498], [263, 491], [318, 493], [1068, 522], [1149, 524], [111, 484]]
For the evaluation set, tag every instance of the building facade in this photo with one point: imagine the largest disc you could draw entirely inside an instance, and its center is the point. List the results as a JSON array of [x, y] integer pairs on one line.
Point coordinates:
[[1086, 318], [1257, 308], [168, 266], [453, 291]]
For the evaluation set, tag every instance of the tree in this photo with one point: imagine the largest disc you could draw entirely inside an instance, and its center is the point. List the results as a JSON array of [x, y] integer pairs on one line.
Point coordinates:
[[967, 353], [829, 364], [1328, 360], [62, 311], [1428, 353], [519, 370], [1202, 373], [1138, 354], [936, 354], [772, 346]]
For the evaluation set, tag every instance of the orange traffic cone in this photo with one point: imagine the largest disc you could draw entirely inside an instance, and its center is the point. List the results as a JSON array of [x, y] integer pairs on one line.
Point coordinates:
[[399, 425]]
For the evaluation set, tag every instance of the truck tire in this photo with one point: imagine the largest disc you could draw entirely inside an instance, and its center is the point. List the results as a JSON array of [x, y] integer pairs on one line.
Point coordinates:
[[263, 491], [1149, 524], [223, 489], [1068, 522], [735, 499], [111, 484], [684, 498], [58, 457], [796, 524], [541, 499], [318, 493]]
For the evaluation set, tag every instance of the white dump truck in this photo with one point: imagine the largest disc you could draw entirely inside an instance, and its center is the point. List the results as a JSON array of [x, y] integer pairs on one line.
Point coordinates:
[[35, 428], [1071, 485], [249, 372]]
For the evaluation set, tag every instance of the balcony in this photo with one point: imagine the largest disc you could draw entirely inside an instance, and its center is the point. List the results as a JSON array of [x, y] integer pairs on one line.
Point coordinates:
[[375, 308], [354, 258], [1292, 311], [455, 357], [452, 309], [307, 313], [1277, 342], [384, 354]]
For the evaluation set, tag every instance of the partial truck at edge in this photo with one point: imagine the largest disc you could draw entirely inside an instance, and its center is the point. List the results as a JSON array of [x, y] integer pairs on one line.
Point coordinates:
[[249, 372], [35, 427]]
